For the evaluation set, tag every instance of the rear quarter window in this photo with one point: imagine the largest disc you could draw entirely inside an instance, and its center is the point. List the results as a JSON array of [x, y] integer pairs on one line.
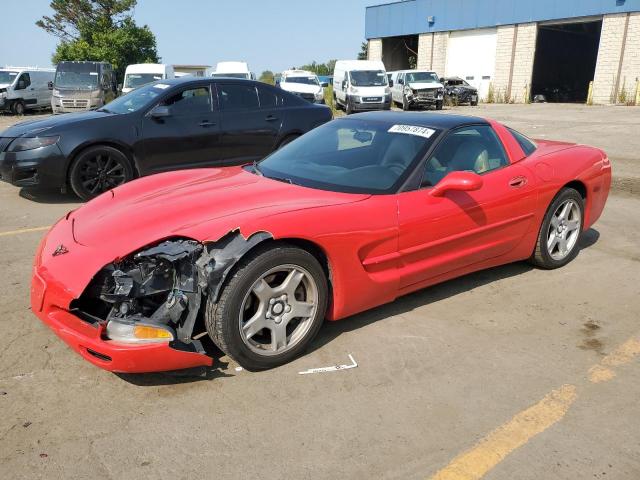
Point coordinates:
[[527, 145]]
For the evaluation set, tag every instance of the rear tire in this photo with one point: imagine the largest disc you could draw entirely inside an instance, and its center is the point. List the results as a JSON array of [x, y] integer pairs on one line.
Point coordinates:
[[560, 232], [252, 323], [98, 169], [439, 105], [474, 104]]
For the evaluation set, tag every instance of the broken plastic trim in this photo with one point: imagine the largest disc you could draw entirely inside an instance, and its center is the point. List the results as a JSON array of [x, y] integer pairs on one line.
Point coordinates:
[[165, 283]]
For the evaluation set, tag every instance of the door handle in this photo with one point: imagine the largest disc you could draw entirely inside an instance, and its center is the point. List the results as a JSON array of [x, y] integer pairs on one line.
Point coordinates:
[[271, 118], [206, 123], [517, 182]]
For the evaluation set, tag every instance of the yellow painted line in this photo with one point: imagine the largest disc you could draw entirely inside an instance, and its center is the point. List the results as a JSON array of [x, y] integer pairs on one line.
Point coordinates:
[[24, 230], [491, 450], [622, 355]]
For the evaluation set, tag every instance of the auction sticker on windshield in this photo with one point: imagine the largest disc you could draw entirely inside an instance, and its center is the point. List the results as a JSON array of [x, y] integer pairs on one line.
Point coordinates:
[[412, 130]]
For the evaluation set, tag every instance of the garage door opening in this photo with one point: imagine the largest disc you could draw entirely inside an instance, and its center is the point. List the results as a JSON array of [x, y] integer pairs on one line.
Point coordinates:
[[400, 53], [565, 61]]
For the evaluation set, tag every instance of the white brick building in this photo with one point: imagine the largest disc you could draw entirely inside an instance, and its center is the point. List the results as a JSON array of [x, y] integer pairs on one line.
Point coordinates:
[[513, 50]]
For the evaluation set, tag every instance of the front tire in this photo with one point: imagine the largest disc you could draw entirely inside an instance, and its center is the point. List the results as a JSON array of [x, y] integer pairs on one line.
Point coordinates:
[[271, 307], [98, 169], [18, 107], [438, 104], [560, 232], [405, 104]]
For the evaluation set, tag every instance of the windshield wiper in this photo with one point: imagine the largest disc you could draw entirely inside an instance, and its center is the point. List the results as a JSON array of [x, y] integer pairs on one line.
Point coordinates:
[[105, 110], [283, 179], [257, 169]]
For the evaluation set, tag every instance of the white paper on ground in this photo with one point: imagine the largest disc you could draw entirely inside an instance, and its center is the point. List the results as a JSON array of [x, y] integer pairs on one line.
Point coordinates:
[[333, 368]]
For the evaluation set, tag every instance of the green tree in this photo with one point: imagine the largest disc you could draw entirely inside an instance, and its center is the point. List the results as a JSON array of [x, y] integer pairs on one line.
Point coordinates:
[[320, 68], [268, 77], [364, 51], [99, 30]]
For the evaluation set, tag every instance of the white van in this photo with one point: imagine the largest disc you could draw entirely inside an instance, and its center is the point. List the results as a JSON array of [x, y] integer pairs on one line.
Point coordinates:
[[416, 88], [139, 74], [302, 83], [232, 70], [23, 88], [361, 85]]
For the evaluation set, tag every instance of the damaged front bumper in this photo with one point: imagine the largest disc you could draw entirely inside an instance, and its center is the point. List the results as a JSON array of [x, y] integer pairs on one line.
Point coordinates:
[[138, 313]]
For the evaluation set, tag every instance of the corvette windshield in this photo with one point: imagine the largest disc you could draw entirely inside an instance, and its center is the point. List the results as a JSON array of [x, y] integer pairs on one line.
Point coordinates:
[[350, 155], [135, 100]]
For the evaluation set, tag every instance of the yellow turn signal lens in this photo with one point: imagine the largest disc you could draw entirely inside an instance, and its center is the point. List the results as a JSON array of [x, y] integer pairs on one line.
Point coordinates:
[[147, 332]]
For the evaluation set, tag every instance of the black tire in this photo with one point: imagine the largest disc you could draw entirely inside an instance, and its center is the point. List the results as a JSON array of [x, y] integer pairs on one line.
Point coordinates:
[[541, 256], [438, 104], [474, 104], [98, 169], [336, 103], [18, 107], [222, 319], [348, 109], [286, 140], [405, 104]]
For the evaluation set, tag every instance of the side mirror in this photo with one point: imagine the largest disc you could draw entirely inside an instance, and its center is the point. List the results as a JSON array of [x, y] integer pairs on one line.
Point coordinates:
[[344, 84], [50, 85], [160, 111], [464, 181], [400, 81], [324, 84], [390, 83]]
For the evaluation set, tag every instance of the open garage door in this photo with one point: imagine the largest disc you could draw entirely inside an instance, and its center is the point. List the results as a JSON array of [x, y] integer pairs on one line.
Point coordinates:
[[400, 53], [565, 60], [471, 55]]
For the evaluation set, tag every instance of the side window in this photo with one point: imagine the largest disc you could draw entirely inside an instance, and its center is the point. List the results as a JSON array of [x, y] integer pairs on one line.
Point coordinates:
[[238, 97], [269, 98], [475, 148], [26, 78], [190, 101], [528, 147]]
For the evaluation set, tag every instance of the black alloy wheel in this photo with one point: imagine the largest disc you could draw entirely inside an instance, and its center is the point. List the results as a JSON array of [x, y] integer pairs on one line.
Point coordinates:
[[97, 170]]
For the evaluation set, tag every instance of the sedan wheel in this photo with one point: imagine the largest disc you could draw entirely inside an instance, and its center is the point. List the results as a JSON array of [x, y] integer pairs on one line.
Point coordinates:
[[97, 170], [560, 232], [270, 309]]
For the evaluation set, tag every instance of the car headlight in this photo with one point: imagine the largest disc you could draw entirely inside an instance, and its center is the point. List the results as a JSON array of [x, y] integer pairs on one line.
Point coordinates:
[[55, 92], [29, 143], [407, 90], [456, 90], [387, 90], [353, 90], [319, 94], [3, 94], [129, 332]]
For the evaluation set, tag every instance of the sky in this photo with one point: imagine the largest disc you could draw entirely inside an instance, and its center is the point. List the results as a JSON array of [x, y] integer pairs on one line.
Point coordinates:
[[268, 34]]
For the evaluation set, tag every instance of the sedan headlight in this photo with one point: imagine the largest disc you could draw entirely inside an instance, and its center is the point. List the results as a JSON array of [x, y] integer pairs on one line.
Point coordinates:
[[29, 143]]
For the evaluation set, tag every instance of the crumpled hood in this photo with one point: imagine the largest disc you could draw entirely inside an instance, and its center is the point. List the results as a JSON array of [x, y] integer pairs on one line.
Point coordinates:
[[4, 85], [50, 125], [203, 204], [422, 85], [300, 87]]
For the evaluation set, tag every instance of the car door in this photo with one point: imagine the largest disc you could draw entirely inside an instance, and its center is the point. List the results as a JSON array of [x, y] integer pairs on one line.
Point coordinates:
[[248, 131], [398, 86], [188, 137], [442, 234], [27, 90]]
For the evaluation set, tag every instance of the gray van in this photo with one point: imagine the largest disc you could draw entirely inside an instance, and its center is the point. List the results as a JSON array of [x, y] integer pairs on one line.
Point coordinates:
[[80, 86]]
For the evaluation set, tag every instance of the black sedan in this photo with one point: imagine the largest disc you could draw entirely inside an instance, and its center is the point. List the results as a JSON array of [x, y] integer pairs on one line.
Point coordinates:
[[167, 125], [459, 91]]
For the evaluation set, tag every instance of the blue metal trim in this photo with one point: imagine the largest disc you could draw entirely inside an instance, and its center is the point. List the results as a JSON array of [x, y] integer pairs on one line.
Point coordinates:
[[410, 17]]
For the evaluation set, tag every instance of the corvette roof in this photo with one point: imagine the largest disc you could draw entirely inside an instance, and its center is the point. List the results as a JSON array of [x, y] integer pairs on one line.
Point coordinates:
[[421, 119]]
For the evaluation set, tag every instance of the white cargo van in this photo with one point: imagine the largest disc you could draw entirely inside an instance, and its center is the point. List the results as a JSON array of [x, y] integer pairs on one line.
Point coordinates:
[[233, 70], [23, 88], [361, 85], [416, 88], [139, 74], [303, 84]]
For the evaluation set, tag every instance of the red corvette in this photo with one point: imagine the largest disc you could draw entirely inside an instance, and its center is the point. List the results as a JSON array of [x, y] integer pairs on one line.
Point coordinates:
[[352, 215]]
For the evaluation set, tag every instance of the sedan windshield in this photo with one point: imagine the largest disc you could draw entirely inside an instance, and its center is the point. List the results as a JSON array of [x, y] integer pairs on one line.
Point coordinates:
[[135, 100], [350, 155], [368, 78], [426, 77], [135, 80], [305, 80], [8, 77]]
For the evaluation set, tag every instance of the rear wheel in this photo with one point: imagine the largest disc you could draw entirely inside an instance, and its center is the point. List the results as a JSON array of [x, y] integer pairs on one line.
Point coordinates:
[[270, 309], [439, 105], [98, 169], [560, 232]]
